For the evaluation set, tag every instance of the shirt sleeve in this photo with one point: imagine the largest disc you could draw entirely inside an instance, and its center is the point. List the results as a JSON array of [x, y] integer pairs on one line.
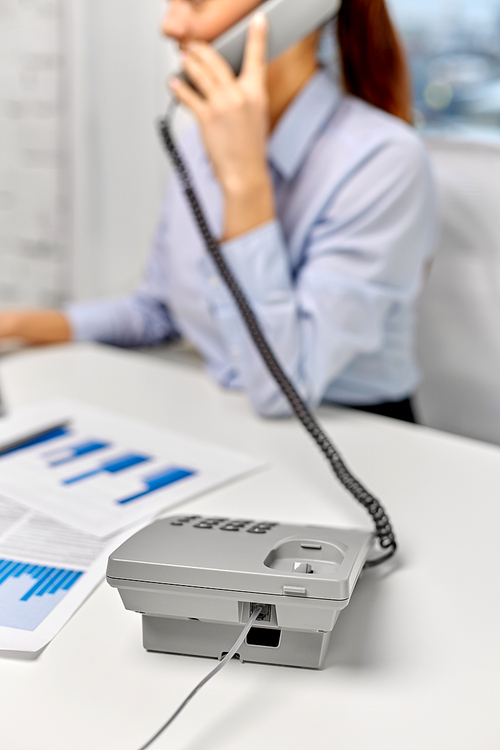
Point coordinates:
[[140, 319], [364, 254]]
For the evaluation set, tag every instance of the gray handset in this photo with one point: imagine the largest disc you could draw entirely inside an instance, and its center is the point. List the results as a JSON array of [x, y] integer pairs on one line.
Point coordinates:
[[289, 21]]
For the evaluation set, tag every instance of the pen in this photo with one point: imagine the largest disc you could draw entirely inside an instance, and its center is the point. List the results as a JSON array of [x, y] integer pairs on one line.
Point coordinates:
[[39, 436]]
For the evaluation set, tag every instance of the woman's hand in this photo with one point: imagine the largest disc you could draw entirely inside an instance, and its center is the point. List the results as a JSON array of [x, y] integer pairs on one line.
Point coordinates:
[[35, 326], [234, 119]]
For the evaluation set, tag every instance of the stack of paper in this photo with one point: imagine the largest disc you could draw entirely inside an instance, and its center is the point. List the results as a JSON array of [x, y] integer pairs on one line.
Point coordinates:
[[69, 496]]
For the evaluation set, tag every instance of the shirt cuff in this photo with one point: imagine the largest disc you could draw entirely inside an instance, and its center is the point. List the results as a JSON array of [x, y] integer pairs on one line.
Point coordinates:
[[91, 322]]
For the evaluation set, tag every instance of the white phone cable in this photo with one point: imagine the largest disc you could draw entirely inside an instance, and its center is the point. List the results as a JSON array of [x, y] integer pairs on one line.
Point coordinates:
[[256, 612]]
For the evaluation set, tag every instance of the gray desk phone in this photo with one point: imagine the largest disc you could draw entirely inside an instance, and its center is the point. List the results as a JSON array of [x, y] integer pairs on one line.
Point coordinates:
[[196, 581]]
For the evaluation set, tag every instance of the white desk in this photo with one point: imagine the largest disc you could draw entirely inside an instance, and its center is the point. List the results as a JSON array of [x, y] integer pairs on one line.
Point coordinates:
[[414, 661]]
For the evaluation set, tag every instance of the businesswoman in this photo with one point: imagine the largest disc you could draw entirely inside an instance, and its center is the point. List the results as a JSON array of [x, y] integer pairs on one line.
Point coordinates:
[[322, 197]]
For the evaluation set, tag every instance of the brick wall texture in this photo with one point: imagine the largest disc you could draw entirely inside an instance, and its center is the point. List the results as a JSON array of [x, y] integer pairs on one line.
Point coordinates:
[[34, 200]]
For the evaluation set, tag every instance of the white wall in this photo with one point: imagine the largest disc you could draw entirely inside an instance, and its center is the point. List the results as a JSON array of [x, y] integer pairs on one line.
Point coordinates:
[[119, 69], [82, 170], [33, 158]]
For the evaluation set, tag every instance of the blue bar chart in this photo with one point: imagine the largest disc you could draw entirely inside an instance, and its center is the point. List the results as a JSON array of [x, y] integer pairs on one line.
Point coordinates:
[[107, 471], [159, 480], [28, 593], [60, 456], [112, 466]]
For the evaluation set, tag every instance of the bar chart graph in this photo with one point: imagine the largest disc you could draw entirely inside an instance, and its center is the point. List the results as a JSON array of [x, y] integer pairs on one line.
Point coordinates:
[[159, 480], [60, 456], [112, 466], [28, 593], [104, 472]]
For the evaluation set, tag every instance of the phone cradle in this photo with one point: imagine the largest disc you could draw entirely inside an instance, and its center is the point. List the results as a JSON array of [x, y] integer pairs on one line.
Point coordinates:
[[197, 580]]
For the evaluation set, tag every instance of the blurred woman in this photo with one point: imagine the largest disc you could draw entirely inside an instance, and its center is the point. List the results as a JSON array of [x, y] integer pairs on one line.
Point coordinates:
[[322, 197]]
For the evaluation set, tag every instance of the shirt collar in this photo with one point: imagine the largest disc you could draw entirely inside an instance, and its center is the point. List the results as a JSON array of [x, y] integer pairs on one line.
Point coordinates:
[[302, 121]]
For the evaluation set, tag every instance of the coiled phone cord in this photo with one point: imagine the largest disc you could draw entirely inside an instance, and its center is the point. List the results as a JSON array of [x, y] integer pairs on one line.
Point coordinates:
[[383, 528]]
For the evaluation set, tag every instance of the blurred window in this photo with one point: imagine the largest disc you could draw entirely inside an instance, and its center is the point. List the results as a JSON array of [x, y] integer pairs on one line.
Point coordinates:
[[454, 49]]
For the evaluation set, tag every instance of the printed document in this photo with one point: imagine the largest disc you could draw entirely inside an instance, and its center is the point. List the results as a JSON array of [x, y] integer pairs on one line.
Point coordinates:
[[46, 571], [101, 472]]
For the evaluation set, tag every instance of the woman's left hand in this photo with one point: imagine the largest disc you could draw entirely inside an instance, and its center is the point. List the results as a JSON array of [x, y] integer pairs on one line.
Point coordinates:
[[233, 114]]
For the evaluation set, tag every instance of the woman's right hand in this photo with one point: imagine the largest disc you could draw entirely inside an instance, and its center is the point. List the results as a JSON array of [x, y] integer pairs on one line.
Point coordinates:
[[35, 327]]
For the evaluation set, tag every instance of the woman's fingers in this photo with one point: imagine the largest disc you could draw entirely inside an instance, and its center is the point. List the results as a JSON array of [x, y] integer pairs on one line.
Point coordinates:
[[187, 96], [208, 59], [199, 74], [210, 73], [232, 112], [255, 59]]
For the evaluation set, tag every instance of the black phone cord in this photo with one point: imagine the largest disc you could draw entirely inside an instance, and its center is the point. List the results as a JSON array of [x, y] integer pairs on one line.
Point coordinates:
[[383, 528]]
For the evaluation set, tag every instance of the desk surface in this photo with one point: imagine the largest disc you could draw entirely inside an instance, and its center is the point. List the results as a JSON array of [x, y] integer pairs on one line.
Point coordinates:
[[414, 661]]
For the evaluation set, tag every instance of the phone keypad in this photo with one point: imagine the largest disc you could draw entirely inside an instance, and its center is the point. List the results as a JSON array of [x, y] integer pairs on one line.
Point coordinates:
[[261, 528], [225, 524], [181, 520], [235, 525], [209, 523]]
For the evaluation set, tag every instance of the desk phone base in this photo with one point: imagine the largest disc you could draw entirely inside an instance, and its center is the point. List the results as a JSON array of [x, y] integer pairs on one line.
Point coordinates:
[[287, 648], [197, 580]]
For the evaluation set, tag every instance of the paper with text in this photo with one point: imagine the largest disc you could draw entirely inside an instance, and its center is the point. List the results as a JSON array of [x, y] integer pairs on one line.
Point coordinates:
[[47, 570]]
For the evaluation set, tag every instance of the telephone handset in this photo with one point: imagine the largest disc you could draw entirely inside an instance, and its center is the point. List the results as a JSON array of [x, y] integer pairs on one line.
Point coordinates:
[[289, 21]]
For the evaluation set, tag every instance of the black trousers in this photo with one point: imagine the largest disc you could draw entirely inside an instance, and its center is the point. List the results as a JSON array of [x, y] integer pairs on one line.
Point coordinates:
[[394, 409]]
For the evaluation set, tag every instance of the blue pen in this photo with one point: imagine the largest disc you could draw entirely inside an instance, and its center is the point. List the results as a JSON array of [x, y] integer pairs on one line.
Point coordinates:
[[58, 429]]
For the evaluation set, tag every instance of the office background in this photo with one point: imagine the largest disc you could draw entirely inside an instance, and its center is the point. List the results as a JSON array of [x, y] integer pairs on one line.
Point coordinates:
[[81, 170]]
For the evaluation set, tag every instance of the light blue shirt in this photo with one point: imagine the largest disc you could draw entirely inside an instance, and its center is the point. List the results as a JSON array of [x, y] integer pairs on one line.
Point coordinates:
[[333, 279]]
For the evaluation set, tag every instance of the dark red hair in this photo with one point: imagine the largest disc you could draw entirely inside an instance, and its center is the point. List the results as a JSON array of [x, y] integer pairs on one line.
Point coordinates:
[[373, 61]]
